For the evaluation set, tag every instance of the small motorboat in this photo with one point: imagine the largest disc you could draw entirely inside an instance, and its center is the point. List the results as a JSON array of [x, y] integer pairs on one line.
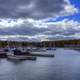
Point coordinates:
[[51, 48], [16, 57], [39, 50], [42, 55]]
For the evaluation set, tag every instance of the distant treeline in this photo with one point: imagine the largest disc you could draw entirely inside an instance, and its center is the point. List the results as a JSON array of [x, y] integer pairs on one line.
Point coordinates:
[[60, 43]]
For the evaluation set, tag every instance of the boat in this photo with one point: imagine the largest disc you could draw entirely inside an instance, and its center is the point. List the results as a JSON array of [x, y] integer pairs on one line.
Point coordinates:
[[42, 55], [16, 57], [51, 48], [39, 50]]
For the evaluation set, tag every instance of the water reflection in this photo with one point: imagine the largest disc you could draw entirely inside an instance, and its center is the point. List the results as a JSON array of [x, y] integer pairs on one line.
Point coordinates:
[[64, 66]]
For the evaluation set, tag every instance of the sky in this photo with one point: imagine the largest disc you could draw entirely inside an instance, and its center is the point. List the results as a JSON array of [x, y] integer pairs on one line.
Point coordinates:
[[39, 20]]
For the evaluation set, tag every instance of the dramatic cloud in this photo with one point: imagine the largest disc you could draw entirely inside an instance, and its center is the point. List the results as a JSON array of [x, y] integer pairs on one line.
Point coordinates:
[[26, 20], [33, 30]]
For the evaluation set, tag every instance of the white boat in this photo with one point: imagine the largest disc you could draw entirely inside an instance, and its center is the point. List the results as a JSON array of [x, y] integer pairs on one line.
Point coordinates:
[[10, 55], [15, 57]]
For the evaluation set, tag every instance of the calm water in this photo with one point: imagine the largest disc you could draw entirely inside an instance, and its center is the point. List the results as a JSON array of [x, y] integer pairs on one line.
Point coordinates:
[[64, 66]]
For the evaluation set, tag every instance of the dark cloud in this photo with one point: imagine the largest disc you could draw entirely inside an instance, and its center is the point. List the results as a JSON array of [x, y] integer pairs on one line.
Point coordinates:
[[40, 8]]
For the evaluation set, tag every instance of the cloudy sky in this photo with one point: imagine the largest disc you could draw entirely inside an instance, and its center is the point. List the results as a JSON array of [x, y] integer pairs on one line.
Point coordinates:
[[39, 20]]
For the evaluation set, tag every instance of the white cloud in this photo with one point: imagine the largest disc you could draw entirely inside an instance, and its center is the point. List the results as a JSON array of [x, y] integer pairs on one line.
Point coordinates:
[[10, 22], [25, 7], [31, 29], [69, 9], [39, 30]]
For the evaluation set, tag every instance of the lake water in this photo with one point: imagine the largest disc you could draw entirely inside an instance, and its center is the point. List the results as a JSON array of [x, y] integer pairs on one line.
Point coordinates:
[[64, 66]]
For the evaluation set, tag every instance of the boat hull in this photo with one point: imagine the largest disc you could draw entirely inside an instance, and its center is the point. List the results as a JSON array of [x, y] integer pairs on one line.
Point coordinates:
[[14, 57]]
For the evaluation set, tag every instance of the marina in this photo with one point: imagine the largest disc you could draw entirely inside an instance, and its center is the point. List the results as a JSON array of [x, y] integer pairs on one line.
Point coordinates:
[[64, 66], [24, 54], [39, 39]]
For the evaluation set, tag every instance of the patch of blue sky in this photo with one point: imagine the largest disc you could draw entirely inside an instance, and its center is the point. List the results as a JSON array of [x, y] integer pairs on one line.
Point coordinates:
[[75, 17], [76, 3]]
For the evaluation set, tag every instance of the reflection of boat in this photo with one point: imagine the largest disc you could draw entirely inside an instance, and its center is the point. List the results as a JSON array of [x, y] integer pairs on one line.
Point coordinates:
[[15, 57]]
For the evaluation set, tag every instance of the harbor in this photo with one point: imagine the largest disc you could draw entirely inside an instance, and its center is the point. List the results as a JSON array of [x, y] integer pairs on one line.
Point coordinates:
[[64, 66], [23, 53], [31, 50]]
